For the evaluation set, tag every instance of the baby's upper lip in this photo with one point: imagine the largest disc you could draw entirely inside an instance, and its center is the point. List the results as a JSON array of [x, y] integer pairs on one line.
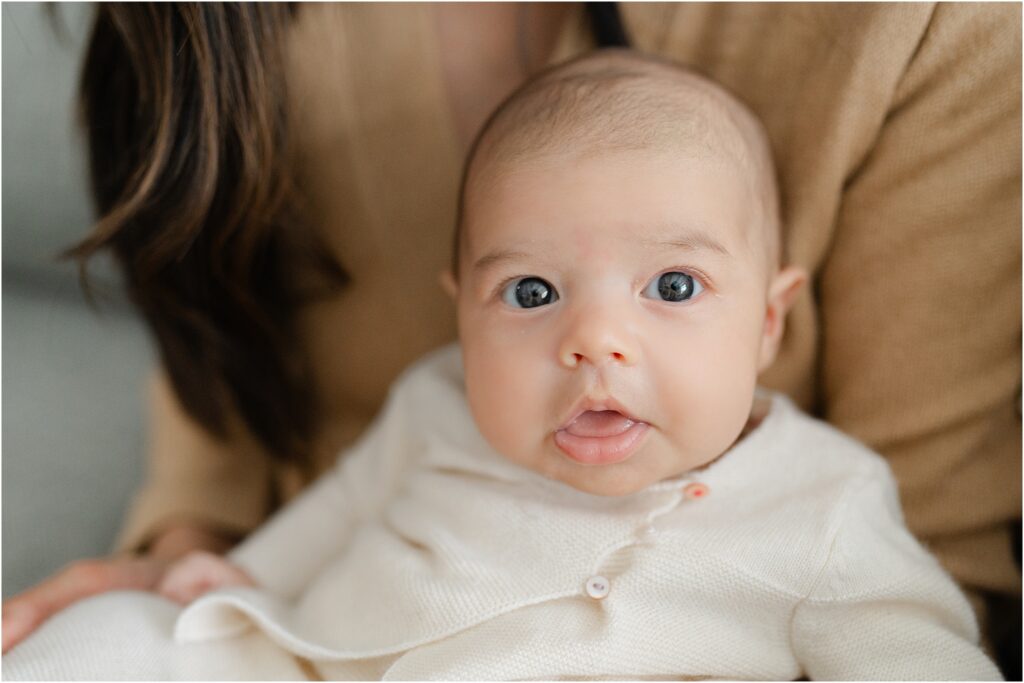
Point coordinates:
[[587, 403]]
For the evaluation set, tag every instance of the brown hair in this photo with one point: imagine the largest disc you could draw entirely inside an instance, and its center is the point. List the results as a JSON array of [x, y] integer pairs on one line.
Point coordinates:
[[183, 106]]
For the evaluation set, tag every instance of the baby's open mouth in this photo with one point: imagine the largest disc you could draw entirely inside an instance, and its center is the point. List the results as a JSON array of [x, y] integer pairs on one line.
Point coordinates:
[[600, 437], [599, 423]]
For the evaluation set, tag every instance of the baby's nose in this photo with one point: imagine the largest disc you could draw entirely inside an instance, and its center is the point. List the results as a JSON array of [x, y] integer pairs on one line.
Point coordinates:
[[598, 338]]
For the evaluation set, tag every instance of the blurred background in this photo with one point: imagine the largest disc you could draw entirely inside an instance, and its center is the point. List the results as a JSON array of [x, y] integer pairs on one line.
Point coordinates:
[[73, 375]]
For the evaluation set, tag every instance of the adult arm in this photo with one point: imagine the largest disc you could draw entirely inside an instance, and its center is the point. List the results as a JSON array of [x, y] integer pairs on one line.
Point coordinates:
[[227, 487], [200, 495], [920, 296], [282, 556], [221, 486], [25, 612]]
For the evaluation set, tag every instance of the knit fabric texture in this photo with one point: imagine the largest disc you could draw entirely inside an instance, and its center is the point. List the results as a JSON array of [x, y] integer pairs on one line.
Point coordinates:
[[425, 554], [896, 131]]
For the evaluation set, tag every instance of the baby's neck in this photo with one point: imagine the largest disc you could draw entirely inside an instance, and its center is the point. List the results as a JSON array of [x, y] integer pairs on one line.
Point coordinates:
[[758, 411]]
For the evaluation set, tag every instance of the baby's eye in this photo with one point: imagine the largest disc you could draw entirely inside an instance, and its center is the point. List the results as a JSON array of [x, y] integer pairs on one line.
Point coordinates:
[[673, 287], [528, 292]]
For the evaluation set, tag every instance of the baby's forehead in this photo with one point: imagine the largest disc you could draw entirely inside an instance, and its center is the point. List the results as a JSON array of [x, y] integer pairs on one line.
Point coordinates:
[[642, 197], [619, 101]]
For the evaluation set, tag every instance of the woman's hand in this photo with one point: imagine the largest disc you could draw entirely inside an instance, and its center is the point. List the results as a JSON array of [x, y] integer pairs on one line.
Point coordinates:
[[24, 613], [197, 573]]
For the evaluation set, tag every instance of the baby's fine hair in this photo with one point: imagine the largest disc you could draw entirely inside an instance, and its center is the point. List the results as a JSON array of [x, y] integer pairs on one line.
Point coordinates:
[[619, 100]]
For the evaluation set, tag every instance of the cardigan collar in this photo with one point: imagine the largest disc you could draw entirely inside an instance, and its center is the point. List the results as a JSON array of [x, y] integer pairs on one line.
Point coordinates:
[[470, 537]]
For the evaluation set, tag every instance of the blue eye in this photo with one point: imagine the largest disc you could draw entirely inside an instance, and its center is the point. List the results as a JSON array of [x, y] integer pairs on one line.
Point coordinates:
[[528, 292], [673, 287]]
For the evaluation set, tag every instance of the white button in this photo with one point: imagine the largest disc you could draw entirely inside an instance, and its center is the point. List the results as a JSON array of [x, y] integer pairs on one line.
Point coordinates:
[[598, 587]]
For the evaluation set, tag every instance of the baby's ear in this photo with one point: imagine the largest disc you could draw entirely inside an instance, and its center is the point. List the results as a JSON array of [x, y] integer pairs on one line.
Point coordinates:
[[782, 292], [448, 283]]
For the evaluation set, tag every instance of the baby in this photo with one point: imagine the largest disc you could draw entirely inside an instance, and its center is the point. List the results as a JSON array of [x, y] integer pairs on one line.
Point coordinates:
[[591, 485]]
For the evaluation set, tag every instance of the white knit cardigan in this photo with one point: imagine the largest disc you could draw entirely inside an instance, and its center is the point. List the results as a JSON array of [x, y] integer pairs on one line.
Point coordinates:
[[426, 555]]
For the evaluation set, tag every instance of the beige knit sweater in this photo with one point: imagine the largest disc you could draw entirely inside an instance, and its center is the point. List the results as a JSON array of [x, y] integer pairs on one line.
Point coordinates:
[[896, 129], [426, 555]]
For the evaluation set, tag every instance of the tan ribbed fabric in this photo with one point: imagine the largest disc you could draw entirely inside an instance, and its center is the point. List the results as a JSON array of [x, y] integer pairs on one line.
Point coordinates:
[[897, 134]]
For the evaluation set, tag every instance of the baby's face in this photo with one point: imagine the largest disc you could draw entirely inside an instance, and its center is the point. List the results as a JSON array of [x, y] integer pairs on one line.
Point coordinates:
[[612, 313]]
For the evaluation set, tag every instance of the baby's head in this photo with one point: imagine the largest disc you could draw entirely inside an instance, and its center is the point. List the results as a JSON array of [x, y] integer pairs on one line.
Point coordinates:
[[617, 272]]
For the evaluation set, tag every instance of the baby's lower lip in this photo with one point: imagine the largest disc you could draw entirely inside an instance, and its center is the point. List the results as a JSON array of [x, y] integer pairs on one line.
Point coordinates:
[[604, 448]]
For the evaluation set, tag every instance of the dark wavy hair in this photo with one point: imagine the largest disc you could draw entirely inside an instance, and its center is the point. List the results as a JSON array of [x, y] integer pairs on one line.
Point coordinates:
[[183, 107]]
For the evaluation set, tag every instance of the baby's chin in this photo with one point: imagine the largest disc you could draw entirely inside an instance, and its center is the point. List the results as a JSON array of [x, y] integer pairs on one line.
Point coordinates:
[[644, 468], [612, 486]]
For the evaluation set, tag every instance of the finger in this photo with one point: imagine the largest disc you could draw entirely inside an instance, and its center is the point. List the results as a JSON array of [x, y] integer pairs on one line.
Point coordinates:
[[175, 594], [174, 586], [19, 619], [197, 574], [188, 581], [24, 613]]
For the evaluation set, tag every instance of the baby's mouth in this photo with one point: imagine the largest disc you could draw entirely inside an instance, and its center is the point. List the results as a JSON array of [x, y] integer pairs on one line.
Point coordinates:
[[599, 424], [600, 437]]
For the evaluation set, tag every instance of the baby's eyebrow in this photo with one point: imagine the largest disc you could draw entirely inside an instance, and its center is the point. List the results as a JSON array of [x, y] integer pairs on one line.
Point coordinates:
[[496, 257], [689, 240]]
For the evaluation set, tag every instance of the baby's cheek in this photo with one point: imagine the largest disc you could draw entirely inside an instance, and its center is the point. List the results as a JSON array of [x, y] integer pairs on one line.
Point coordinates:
[[503, 403], [708, 401]]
